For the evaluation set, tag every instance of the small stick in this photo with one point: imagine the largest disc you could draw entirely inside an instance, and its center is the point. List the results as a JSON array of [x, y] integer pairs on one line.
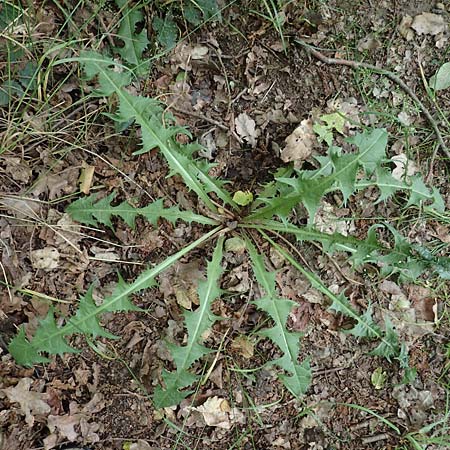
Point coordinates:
[[387, 73], [201, 117]]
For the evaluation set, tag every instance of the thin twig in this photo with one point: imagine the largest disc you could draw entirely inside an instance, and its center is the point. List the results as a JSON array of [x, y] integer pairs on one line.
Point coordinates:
[[201, 117], [388, 74]]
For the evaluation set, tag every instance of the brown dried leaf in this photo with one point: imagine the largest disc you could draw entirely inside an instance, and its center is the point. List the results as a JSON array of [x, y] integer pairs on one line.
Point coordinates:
[[403, 166], [86, 177], [18, 169], [181, 281], [64, 425], [246, 128], [215, 412], [243, 346], [20, 207], [46, 258], [31, 403], [299, 144], [428, 23], [422, 302]]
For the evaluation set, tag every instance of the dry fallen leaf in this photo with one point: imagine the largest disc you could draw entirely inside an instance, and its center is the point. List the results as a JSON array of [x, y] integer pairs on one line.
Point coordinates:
[[428, 23], [244, 346], [86, 177], [65, 425], [183, 55], [404, 28], [246, 128], [20, 207], [299, 143], [141, 445], [46, 258], [58, 183], [328, 219], [31, 403], [181, 281], [403, 166], [215, 412], [17, 168], [423, 303], [442, 233]]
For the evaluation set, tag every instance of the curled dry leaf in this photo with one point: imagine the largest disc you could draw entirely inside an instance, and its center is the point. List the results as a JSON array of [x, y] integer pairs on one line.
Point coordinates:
[[423, 303], [299, 144], [329, 220], [46, 258], [428, 23], [183, 55], [442, 233], [20, 207], [246, 128], [404, 28], [216, 412], [17, 168], [181, 281], [31, 403], [243, 346], [86, 177], [65, 425], [141, 445], [403, 166]]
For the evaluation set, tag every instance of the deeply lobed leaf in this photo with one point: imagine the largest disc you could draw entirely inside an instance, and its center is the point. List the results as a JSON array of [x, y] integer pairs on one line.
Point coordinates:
[[299, 375], [156, 132], [197, 322], [134, 44], [347, 173], [91, 211]]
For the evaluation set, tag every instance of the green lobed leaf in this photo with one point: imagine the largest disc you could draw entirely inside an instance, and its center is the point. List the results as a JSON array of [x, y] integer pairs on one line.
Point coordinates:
[[134, 44], [166, 31], [156, 132], [388, 347], [345, 168], [372, 148], [410, 261], [197, 322], [243, 198], [86, 318], [410, 373], [209, 8], [10, 14], [48, 337], [419, 191], [338, 171], [365, 326], [23, 351], [299, 375], [387, 184], [90, 211], [109, 81]]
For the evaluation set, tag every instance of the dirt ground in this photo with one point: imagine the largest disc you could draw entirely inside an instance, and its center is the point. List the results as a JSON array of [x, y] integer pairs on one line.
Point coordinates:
[[100, 398]]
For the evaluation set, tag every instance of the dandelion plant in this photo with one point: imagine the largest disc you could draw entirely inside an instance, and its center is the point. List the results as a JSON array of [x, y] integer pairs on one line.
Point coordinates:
[[362, 164]]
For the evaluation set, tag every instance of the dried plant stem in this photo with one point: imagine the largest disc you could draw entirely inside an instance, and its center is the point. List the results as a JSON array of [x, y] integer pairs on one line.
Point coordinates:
[[361, 65]]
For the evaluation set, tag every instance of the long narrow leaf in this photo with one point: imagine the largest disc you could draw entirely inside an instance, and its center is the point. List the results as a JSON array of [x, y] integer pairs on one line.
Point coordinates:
[[278, 309], [197, 322]]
